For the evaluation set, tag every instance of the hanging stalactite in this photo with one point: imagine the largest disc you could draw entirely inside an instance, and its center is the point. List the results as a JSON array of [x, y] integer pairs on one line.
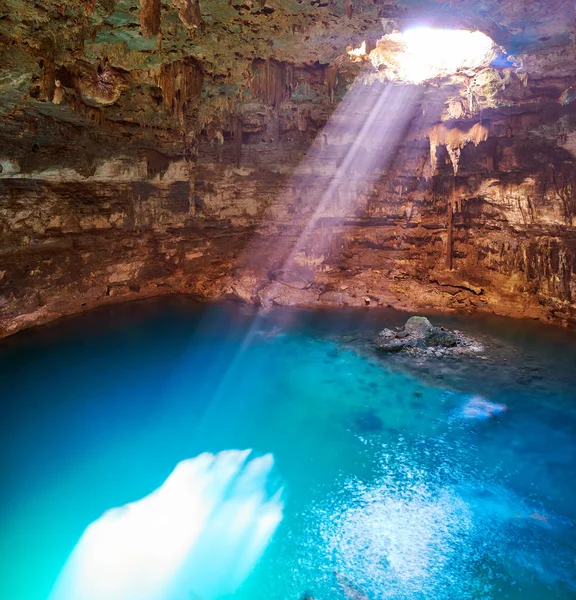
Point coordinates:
[[449, 234], [272, 81], [189, 13], [150, 17], [455, 139], [331, 75], [181, 84], [48, 82], [349, 8], [444, 191]]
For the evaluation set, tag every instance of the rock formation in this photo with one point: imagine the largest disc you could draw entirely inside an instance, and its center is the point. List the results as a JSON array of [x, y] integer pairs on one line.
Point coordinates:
[[420, 336], [161, 147]]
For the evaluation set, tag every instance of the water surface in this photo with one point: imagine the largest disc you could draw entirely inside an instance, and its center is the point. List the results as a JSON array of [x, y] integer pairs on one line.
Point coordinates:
[[387, 492]]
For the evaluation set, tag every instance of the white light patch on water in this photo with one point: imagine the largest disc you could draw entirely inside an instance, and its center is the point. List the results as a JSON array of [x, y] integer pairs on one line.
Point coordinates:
[[413, 533], [428, 527], [398, 542], [200, 534]]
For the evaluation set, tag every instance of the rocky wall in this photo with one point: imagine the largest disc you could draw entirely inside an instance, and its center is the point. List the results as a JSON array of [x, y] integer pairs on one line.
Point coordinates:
[[201, 147], [499, 236]]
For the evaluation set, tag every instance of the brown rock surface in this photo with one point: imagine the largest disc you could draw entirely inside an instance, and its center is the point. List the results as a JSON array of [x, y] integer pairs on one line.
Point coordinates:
[[184, 147]]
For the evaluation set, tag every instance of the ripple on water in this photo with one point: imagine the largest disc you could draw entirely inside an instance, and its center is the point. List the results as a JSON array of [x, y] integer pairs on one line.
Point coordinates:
[[429, 528]]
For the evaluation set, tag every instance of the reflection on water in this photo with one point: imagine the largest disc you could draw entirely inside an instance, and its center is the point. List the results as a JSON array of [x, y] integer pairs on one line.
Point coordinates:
[[200, 533], [389, 492], [431, 526]]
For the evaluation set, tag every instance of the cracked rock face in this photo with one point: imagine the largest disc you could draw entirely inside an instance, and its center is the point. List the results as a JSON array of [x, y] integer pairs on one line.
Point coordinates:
[[159, 147]]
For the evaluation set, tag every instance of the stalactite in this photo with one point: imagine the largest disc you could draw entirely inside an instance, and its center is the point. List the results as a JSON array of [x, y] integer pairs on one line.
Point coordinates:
[[453, 203], [181, 84], [219, 137], [59, 93], [455, 139], [272, 81], [565, 187], [150, 17], [549, 265], [95, 115], [189, 13], [449, 233], [191, 158], [331, 76], [215, 116], [48, 82], [349, 8]]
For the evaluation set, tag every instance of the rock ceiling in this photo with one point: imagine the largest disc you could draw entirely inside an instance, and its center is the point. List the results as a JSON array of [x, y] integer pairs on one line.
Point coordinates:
[[132, 65]]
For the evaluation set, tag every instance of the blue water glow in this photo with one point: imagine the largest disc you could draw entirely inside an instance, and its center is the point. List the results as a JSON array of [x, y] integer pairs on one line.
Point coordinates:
[[385, 494]]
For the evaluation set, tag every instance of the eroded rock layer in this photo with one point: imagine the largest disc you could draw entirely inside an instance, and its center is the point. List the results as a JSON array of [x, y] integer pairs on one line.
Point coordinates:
[[212, 148]]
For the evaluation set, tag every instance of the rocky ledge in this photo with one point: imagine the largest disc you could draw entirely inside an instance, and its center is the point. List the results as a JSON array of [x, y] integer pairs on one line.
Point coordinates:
[[419, 336]]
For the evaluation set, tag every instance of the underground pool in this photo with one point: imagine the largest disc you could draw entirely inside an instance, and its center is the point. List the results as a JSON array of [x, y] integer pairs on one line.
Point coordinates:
[[166, 450]]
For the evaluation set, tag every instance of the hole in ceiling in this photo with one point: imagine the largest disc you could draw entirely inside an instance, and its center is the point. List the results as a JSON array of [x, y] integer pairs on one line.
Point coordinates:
[[422, 54]]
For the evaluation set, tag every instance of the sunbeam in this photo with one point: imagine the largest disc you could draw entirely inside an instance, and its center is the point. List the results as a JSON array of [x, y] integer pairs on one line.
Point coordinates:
[[353, 150]]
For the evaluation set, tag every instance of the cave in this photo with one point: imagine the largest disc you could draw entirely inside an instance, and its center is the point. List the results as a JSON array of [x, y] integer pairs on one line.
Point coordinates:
[[288, 299]]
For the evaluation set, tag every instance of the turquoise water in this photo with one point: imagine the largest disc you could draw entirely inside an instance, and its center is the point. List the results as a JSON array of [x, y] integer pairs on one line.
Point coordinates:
[[387, 493]]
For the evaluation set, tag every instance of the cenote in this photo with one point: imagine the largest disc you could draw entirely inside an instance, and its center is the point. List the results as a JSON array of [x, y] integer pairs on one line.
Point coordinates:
[[363, 480], [287, 300]]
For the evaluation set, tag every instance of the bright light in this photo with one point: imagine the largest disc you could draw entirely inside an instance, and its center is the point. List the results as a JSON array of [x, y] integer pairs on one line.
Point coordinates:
[[359, 52], [424, 53], [200, 533]]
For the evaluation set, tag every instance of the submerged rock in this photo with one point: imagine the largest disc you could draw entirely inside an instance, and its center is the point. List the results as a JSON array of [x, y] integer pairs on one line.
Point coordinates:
[[442, 338], [418, 334], [368, 422], [349, 588]]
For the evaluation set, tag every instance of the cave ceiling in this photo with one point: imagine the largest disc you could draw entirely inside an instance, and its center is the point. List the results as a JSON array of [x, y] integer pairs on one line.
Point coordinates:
[[131, 71]]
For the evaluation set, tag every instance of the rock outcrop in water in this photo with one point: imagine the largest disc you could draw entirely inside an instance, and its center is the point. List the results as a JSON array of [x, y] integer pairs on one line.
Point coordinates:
[[419, 335]]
